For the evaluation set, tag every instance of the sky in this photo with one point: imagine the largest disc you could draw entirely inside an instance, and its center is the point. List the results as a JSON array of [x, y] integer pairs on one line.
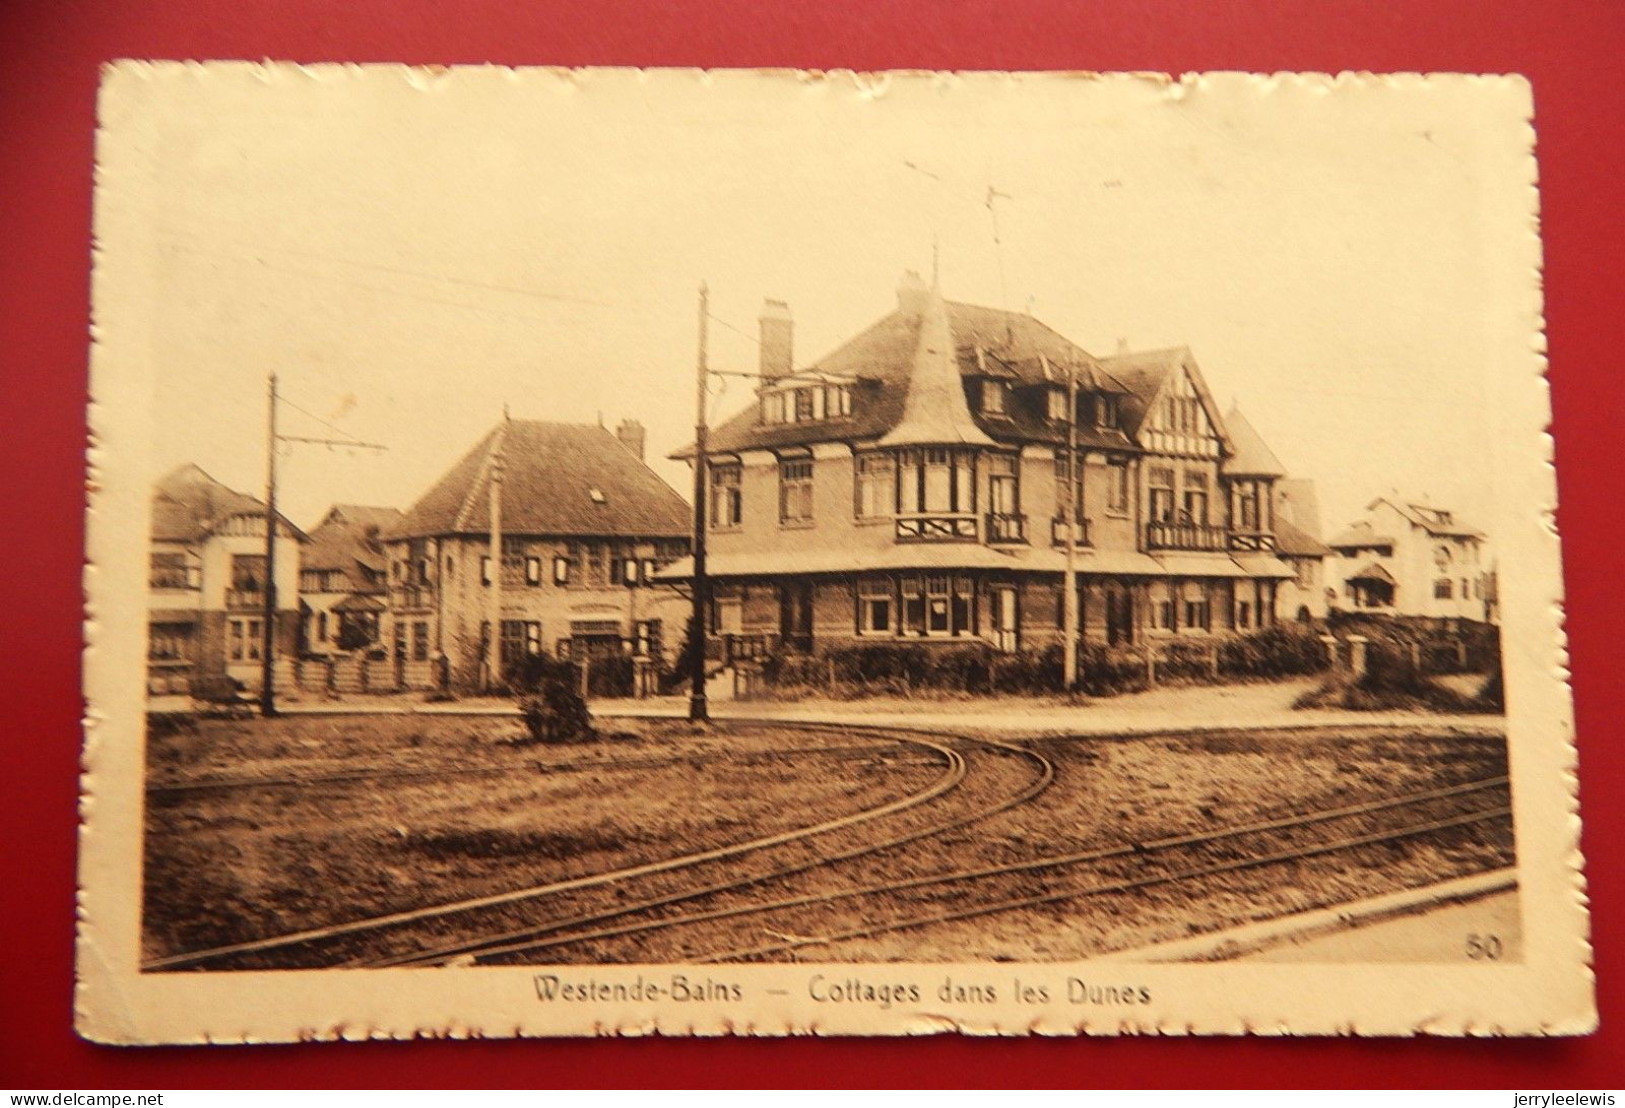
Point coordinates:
[[412, 253]]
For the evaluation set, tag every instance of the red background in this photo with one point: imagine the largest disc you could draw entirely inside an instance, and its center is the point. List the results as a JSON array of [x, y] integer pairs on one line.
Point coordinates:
[[49, 54]]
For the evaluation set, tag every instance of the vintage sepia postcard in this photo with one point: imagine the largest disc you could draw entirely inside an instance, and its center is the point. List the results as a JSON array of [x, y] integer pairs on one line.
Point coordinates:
[[612, 551]]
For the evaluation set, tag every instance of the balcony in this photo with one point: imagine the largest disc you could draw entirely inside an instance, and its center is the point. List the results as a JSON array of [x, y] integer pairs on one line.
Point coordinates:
[[175, 577], [245, 600], [1252, 540], [1185, 536], [1006, 527], [1080, 532], [412, 597], [936, 527]]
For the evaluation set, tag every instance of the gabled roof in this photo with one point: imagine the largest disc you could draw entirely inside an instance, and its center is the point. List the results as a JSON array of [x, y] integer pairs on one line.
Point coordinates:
[[349, 540], [1361, 534], [1373, 572], [187, 505], [364, 515], [881, 359], [1433, 520], [1294, 542], [551, 472], [1146, 373], [1252, 457]]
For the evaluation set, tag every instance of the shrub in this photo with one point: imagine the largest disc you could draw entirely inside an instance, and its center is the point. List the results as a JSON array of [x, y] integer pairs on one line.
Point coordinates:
[[163, 724], [1280, 651], [550, 700]]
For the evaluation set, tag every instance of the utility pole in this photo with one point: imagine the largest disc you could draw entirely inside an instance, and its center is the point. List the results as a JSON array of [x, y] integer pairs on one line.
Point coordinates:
[[698, 711], [493, 600], [268, 615], [1069, 603], [268, 618]]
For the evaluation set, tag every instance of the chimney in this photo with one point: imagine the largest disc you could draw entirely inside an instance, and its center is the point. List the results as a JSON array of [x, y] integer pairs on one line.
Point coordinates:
[[912, 294], [631, 434], [778, 356]]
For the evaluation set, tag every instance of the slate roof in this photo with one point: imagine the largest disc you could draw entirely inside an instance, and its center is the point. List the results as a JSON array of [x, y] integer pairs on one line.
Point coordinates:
[[187, 504], [880, 361], [935, 411], [550, 472], [1252, 457], [1144, 373], [1298, 502], [1373, 572], [348, 540], [1359, 535], [1294, 542], [1421, 514]]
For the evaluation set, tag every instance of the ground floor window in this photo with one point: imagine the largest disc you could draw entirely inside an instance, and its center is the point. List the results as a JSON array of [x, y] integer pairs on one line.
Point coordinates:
[[243, 639], [1244, 615], [420, 641], [934, 605], [646, 639], [1442, 589], [876, 605], [520, 639]]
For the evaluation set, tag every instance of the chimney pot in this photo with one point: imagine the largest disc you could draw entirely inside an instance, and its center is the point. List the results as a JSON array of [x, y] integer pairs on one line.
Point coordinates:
[[777, 340], [632, 435]]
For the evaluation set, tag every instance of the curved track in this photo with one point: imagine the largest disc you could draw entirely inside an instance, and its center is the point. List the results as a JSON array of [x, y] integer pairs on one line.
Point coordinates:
[[951, 779], [530, 937]]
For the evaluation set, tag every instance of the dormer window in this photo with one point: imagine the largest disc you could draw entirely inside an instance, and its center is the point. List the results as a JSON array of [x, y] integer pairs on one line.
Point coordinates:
[[1106, 411], [995, 395], [597, 496], [806, 402], [1055, 404]]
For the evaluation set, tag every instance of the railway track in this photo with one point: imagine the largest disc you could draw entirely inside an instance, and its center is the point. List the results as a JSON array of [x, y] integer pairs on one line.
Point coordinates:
[[1142, 854], [715, 905], [804, 839]]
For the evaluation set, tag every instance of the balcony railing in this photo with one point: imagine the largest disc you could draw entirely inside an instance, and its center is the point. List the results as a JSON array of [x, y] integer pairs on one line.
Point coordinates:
[[936, 527], [1252, 540], [175, 577], [245, 600], [1080, 532], [1006, 527], [408, 597], [1185, 536]]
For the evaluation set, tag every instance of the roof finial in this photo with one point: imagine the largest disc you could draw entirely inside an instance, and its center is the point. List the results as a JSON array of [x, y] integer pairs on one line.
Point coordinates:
[[506, 418]]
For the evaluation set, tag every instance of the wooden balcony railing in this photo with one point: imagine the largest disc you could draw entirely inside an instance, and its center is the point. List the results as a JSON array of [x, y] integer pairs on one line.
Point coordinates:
[[175, 577], [1185, 536], [409, 597], [1081, 535], [1252, 540], [936, 527], [245, 600], [1006, 527]]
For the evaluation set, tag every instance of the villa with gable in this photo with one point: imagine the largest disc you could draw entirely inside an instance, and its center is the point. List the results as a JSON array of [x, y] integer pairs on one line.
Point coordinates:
[[920, 483]]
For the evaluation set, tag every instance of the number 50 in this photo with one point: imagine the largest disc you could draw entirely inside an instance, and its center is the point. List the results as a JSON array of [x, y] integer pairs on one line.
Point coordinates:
[[1484, 948]]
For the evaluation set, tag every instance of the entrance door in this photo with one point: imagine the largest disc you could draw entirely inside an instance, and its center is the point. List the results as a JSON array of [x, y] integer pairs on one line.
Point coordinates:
[[1005, 620], [1119, 613], [796, 615]]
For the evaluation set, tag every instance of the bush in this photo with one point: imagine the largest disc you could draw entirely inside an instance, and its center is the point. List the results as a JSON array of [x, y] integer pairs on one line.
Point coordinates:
[[1280, 651], [550, 700], [163, 724]]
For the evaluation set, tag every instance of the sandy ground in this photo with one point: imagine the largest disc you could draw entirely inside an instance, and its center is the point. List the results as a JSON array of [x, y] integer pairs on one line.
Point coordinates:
[[262, 827]]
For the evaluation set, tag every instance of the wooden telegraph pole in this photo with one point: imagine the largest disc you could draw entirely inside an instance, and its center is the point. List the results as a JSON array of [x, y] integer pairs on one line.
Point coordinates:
[[698, 710], [268, 615], [1069, 603], [493, 598]]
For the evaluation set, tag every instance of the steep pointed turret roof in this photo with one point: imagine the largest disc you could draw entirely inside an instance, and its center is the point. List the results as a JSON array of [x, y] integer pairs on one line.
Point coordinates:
[[1252, 457], [187, 505], [934, 408]]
